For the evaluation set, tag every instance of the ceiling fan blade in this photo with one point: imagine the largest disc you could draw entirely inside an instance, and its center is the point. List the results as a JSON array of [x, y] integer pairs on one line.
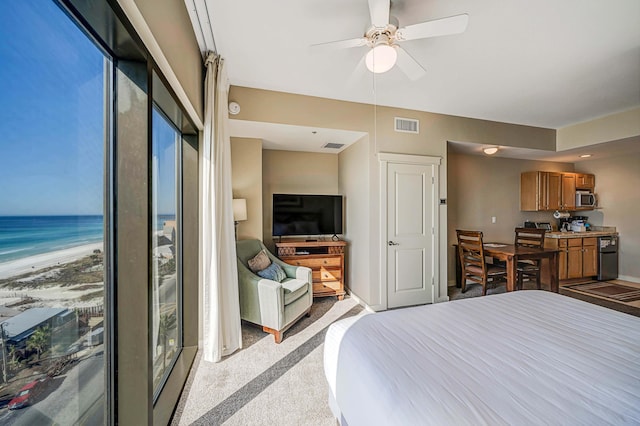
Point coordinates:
[[379, 11], [409, 66], [341, 44], [358, 74], [438, 27]]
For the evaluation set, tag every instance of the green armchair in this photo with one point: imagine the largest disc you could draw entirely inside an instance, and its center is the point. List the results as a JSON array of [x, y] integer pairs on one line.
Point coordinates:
[[275, 306]]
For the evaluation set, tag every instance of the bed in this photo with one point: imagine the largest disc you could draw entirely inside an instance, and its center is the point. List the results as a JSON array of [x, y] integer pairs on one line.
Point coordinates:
[[519, 358]]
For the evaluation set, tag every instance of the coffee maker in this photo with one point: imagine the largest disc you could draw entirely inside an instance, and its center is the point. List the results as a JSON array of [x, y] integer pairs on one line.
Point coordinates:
[[564, 224]]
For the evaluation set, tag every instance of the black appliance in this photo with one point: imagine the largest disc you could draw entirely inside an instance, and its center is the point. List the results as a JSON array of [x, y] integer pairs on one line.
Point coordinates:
[[607, 258], [564, 223], [295, 214], [538, 225]]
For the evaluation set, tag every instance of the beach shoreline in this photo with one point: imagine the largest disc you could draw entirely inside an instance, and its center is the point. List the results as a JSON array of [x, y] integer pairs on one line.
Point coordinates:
[[45, 260]]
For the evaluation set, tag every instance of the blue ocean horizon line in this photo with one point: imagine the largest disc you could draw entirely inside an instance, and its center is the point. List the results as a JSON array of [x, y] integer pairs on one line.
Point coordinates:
[[23, 236], [29, 235]]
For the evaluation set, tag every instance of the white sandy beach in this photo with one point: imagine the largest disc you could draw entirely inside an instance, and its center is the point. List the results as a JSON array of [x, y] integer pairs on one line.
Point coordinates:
[[39, 261]]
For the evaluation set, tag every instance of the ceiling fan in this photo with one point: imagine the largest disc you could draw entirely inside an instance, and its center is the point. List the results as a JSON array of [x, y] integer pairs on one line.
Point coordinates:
[[384, 36]]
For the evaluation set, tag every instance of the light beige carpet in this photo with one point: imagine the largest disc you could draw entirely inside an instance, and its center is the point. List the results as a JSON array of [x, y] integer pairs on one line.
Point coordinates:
[[265, 383]]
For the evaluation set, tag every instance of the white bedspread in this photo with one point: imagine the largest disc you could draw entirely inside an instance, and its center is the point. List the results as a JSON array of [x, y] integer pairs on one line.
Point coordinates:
[[521, 358]]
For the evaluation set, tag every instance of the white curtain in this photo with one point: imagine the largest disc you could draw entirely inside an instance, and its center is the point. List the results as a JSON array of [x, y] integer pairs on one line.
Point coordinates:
[[222, 334]]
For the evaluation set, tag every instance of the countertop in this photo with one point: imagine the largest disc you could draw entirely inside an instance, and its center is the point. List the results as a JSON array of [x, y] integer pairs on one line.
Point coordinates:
[[558, 234]]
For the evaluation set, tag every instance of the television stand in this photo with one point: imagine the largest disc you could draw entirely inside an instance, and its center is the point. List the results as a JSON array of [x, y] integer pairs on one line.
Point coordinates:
[[325, 258]]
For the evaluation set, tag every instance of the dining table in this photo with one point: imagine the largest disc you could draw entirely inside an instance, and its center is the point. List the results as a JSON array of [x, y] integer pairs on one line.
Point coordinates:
[[511, 254]]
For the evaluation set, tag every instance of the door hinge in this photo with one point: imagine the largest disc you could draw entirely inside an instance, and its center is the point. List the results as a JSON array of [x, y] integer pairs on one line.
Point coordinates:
[[433, 180]]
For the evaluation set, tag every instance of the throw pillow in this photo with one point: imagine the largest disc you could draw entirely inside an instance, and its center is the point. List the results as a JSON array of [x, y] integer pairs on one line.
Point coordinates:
[[259, 262], [273, 272]]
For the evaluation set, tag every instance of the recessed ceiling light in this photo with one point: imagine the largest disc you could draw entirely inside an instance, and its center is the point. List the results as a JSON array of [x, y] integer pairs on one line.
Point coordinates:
[[490, 151], [585, 156]]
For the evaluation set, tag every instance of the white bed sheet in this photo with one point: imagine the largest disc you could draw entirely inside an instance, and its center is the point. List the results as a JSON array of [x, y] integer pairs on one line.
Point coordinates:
[[520, 358]]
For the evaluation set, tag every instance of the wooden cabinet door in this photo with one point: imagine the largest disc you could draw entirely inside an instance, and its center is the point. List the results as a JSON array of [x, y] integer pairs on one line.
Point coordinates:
[[532, 198], [562, 264], [574, 262], [589, 257], [568, 192], [554, 191], [585, 181]]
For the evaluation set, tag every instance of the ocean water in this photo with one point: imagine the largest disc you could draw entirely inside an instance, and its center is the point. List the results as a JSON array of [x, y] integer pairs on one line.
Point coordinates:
[[24, 236]]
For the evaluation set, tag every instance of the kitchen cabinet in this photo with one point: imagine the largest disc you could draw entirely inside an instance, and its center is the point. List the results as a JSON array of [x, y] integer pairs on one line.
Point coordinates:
[[574, 258], [568, 192], [578, 257], [585, 181], [589, 257], [541, 191]]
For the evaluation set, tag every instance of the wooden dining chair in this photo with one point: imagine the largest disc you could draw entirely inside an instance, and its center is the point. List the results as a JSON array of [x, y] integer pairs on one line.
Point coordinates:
[[472, 261], [529, 269]]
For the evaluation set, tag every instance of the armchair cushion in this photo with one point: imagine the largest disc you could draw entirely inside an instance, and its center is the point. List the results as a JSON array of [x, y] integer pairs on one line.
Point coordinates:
[[273, 305], [259, 262], [294, 289], [273, 272]]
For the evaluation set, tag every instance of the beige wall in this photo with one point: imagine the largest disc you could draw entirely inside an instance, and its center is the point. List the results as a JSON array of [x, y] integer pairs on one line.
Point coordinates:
[[170, 25], [436, 130], [289, 172], [354, 185], [246, 166], [618, 190], [481, 187], [605, 129]]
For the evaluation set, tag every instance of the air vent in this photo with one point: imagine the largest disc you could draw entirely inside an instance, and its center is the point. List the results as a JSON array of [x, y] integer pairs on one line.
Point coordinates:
[[332, 145], [407, 125]]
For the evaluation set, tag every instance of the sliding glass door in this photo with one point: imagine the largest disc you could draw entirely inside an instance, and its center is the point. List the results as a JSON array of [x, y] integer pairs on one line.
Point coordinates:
[[166, 315]]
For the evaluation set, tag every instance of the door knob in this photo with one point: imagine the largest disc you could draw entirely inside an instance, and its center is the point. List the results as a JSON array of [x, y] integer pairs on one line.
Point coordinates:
[[391, 243]]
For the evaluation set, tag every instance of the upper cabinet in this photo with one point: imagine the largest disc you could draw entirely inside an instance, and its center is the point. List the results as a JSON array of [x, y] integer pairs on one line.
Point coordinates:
[[541, 191], [585, 181], [568, 192]]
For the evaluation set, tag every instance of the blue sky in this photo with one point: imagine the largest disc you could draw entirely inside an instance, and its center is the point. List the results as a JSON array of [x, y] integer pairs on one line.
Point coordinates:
[[51, 113], [164, 165]]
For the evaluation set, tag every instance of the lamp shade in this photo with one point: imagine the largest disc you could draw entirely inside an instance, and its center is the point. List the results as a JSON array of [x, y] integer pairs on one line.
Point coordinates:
[[239, 209], [381, 58]]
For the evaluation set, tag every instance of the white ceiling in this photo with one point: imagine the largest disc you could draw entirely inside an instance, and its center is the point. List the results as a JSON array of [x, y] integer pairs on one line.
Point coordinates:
[[297, 138], [545, 63], [617, 148]]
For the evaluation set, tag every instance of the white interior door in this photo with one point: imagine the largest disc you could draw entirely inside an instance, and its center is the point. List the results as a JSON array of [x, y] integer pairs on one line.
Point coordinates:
[[411, 230]]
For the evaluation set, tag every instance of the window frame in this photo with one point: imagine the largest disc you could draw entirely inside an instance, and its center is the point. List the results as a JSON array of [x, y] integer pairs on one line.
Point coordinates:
[[130, 397]]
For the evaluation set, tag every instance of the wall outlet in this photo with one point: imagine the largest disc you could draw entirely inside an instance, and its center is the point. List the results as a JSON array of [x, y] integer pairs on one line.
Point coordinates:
[[493, 219]]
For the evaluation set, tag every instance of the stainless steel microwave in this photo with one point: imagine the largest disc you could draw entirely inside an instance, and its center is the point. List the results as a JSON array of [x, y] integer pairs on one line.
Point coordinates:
[[585, 199]]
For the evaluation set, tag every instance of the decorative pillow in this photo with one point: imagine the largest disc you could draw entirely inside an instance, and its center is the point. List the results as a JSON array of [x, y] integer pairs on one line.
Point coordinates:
[[273, 272], [259, 262]]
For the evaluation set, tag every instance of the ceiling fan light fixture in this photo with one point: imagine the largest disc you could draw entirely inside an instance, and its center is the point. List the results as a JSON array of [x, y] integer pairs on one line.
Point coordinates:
[[381, 58]]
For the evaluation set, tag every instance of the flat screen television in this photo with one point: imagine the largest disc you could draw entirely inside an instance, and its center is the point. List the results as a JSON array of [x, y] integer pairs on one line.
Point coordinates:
[[295, 214]]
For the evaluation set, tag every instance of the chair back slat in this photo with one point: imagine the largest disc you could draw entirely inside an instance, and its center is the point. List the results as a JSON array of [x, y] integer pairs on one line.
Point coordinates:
[[529, 237], [471, 253]]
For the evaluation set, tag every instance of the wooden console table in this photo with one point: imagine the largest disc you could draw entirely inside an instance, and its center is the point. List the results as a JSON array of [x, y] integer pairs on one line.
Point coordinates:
[[326, 260]]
